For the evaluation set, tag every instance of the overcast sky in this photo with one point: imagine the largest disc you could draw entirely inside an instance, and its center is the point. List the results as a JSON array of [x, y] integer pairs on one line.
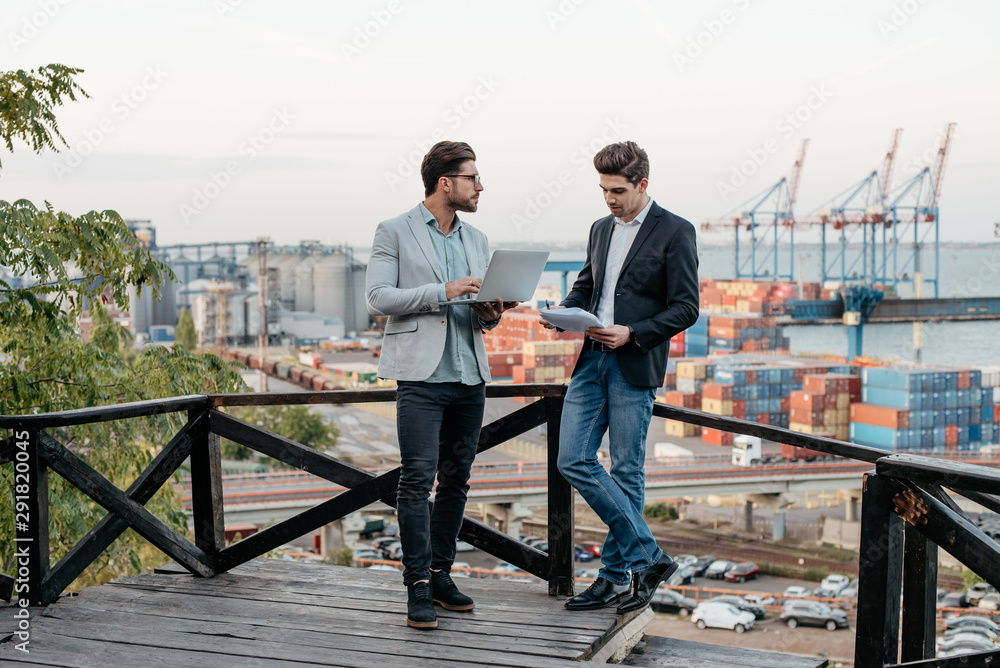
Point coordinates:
[[225, 120]]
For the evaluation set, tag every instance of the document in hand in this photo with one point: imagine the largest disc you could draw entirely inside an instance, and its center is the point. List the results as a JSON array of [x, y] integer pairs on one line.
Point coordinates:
[[571, 319]]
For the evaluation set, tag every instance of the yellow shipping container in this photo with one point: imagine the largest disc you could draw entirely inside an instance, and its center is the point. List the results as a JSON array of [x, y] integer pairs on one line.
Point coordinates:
[[717, 406], [691, 370], [677, 428], [843, 401], [804, 428]]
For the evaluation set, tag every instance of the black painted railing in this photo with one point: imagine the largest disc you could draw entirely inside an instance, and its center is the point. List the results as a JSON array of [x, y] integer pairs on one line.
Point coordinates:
[[906, 512]]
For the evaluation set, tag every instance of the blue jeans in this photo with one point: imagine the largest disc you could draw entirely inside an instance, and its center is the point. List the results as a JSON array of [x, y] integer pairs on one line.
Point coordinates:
[[438, 426], [600, 400]]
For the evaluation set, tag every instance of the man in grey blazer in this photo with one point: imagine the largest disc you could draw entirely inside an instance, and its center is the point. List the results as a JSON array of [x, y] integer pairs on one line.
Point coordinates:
[[641, 280], [436, 354]]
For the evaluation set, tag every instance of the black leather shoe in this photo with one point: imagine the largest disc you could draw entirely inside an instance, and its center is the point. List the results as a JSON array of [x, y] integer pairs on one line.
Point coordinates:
[[446, 594], [420, 606], [600, 594], [645, 583]]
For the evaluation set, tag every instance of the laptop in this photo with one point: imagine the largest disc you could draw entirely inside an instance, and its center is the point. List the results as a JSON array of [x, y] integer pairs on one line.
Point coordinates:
[[511, 276]]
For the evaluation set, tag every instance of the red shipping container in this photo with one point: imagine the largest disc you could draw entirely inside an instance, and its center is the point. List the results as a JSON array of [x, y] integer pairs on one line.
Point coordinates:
[[740, 409], [792, 453], [951, 435], [807, 400], [963, 380], [785, 405], [996, 412], [763, 418], [716, 437], [880, 416], [675, 398], [751, 375], [806, 416], [717, 391]]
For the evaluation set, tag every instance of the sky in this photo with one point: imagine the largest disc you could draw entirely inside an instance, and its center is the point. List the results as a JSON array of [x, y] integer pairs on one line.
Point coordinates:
[[227, 120]]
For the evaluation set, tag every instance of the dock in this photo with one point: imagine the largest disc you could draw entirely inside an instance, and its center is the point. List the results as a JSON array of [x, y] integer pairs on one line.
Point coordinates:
[[284, 614]]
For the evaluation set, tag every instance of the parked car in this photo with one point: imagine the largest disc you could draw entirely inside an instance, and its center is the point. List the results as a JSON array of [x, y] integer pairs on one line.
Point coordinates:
[[593, 547], [971, 620], [682, 576], [850, 591], [366, 553], [813, 613], [685, 560], [742, 572], [721, 615], [977, 591], [759, 599], [990, 601], [795, 591], [717, 569], [958, 650], [834, 583], [670, 601], [757, 611], [701, 564], [953, 599]]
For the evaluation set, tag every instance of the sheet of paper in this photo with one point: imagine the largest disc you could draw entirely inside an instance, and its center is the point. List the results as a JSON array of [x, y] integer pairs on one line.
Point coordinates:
[[571, 319]]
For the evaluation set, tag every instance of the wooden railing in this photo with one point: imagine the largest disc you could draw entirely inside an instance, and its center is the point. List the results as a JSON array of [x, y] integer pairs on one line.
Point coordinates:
[[906, 512]]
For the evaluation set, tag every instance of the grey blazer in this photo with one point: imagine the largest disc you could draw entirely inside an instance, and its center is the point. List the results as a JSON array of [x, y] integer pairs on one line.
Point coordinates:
[[402, 279]]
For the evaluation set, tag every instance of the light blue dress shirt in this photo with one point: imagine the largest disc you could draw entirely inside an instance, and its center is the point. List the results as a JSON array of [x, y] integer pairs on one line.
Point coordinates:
[[458, 363]]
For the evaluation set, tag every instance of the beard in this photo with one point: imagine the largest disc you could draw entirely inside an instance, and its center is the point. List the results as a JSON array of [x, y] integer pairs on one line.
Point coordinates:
[[463, 204]]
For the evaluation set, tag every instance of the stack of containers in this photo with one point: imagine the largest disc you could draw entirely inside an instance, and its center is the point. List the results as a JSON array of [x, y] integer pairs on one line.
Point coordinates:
[[740, 332], [545, 362], [518, 326], [696, 337], [502, 363], [676, 427], [909, 408], [822, 407]]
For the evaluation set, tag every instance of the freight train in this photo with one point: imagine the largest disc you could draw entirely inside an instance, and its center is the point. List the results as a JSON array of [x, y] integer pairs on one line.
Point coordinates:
[[308, 379]]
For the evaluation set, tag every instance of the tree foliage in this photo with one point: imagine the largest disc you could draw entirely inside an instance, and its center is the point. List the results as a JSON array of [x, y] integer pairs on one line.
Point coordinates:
[[27, 102], [71, 263], [185, 335]]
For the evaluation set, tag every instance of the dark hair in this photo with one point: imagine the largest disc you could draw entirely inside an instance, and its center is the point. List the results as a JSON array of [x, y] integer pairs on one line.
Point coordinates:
[[623, 159], [445, 157]]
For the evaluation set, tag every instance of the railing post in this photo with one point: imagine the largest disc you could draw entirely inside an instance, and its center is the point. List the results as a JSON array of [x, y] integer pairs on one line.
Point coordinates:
[[31, 517], [920, 561], [561, 525], [879, 576], [206, 489]]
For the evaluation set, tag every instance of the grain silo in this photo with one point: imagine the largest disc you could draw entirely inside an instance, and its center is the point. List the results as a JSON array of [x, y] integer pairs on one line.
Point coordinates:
[[330, 285], [304, 284]]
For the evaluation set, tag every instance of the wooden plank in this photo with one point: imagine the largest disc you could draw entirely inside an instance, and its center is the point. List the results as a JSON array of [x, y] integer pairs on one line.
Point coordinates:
[[920, 561], [143, 522], [366, 396], [949, 530], [309, 520], [658, 652], [978, 660], [879, 576], [31, 512], [111, 526], [957, 475], [286, 450], [393, 601], [208, 515], [307, 647], [105, 413], [396, 641], [777, 434], [561, 511], [988, 501]]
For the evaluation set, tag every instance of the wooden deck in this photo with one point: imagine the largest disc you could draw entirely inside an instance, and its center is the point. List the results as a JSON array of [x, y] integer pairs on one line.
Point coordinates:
[[285, 614]]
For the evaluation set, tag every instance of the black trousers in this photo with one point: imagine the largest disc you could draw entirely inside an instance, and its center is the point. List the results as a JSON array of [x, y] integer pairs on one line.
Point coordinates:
[[438, 426]]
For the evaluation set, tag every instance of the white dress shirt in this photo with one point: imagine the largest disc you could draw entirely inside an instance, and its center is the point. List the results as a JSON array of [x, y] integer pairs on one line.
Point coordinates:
[[621, 242]]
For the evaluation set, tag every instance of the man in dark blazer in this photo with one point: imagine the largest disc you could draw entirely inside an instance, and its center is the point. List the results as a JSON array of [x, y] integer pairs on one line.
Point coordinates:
[[641, 281]]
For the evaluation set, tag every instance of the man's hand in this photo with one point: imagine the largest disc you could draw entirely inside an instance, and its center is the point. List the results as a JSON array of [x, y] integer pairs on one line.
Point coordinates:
[[491, 311], [613, 336], [461, 287], [545, 323]]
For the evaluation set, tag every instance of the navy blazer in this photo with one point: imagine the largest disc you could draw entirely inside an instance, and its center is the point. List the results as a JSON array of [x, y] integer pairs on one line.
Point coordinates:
[[657, 291]]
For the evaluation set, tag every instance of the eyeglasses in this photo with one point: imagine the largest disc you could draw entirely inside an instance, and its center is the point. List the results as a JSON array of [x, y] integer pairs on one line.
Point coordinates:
[[475, 177]]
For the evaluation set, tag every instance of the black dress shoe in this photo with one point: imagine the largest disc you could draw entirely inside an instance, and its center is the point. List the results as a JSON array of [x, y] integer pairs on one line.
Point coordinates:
[[646, 582], [420, 606], [446, 594], [600, 594]]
